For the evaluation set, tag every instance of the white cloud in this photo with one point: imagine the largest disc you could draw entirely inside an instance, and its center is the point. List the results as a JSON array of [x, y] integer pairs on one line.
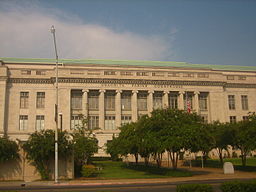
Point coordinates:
[[25, 32]]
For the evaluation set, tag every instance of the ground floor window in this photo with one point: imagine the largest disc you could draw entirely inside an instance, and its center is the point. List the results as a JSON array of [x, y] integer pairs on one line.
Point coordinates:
[[39, 122], [125, 119], [76, 121], [110, 122], [93, 122], [23, 122]]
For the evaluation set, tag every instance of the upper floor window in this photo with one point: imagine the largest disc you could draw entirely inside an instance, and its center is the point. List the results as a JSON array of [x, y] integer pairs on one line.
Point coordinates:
[[40, 72], [40, 99], [24, 100], [125, 119], [231, 102], [158, 74], [126, 104], [93, 122], [188, 74], [23, 122], [126, 73], [142, 73], [142, 101], [188, 102], [244, 101], [157, 100], [76, 121], [241, 77], [109, 73], [39, 122], [173, 74], [230, 77], [173, 100], [110, 122], [93, 72], [203, 102], [76, 99], [93, 100], [232, 119], [25, 72], [110, 100], [202, 75]]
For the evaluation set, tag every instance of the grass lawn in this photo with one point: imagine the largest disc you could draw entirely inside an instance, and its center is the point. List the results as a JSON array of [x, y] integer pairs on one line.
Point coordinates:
[[119, 170], [237, 162]]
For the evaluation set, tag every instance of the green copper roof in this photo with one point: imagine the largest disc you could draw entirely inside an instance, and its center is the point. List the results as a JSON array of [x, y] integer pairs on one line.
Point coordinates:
[[133, 63]]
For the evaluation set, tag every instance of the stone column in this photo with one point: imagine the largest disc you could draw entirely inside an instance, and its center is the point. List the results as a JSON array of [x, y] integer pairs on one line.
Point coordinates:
[[150, 101], [85, 107], [118, 107], [102, 110], [181, 100], [166, 99], [134, 106], [196, 102], [3, 101]]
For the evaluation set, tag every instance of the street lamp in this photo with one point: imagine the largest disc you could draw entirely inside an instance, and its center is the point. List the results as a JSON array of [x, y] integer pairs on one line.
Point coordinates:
[[56, 108]]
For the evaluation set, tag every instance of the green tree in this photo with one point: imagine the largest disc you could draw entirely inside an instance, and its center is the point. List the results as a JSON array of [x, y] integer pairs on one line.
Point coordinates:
[[40, 149], [8, 150]]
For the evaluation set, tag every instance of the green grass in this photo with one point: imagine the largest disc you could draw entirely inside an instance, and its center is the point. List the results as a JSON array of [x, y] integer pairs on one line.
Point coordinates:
[[237, 162], [119, 170]]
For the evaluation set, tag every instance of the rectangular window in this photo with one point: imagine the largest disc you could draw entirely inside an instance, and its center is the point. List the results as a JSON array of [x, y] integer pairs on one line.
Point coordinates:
[[40, 99], [76, 99], [93, 100], [126, 73], [188, 102], [93, 73], [109, 73], [24, 100], [39, 122], [126, 102], [230, 77], [173, 100], [244, 100], [125, 119], [158, 74], [142, 73], [245, 118], [232, 119], [76, 121], [40, 72], [203, 102], [231, 102], [110, 123], [25, 72], [241, 77], [23, 122], [93, 122], [158, 100], [188, 74], [173, 74], [110, 100], [204, 118], [203, 75], [142, 101]]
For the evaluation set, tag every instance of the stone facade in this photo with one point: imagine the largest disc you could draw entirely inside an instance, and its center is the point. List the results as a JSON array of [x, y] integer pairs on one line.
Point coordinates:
[[111, 93]]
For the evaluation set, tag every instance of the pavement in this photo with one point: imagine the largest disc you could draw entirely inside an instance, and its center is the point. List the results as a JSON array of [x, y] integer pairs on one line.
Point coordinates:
[[201, 175]]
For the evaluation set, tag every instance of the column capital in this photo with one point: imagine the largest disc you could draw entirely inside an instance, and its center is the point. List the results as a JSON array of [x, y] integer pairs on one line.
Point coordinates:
[[151, 91], [135, 91], [166, 92], [181, 92], [102, 90], [196, 92], [85, 90], [119, 91]]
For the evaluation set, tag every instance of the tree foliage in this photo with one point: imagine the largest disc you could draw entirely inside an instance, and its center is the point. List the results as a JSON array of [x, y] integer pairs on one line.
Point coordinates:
[[8, 150], [40, 149]]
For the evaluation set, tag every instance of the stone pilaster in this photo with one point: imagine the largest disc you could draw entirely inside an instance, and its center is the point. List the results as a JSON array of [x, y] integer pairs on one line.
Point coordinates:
[[101, 109], [85, 107], [134, 106], [181, 100], [196, 101], [3, 101], [166, 99], [118, 107], [150, 101]]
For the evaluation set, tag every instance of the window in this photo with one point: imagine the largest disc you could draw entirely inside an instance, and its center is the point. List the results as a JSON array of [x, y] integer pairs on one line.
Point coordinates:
[[142, 73], [244, 100], [241, 77], [25, 72], [76, 121], [245, 118], [158, 74], [39, 122], [40, 99], [93, 73], [24, 100], [126, 101], [126, 73], [110, 100], [188, 104], [76, 99], [203, 102], [109, 73], [230, 77], [173, 100], [158, 100], [110, 123], [173, 74], [188, 74], [40, 72], [202, 75], [76, 72], [142, 101], [93, 100], [23, 122], [232, 119], [125, 119], [93, 122], [204, 118], [231, 102]]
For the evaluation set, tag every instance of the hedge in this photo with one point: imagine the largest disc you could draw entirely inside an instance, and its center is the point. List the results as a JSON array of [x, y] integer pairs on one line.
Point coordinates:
[[194, 188], [239, 186]]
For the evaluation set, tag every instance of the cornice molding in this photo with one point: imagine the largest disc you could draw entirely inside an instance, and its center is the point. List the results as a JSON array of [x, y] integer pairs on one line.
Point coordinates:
[[130, 81]]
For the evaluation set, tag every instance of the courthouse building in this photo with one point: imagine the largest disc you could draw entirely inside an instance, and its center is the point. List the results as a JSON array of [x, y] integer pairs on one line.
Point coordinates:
[[111, 93]]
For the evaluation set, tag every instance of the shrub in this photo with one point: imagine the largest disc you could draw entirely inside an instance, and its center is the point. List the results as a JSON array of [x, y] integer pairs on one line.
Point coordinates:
[[89, 171], [239, 186], [194, 188]]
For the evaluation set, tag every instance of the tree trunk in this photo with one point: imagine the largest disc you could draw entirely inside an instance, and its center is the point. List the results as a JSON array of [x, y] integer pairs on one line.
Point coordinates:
[[136, 158], [243, 156], [146, 159], [220, 155], [174, 159], [159, 159]]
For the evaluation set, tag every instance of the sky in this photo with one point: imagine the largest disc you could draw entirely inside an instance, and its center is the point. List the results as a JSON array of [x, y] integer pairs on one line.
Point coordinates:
[[221, 32]]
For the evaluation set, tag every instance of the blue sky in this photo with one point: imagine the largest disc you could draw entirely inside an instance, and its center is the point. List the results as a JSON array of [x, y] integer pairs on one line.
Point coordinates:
[[195, 31]]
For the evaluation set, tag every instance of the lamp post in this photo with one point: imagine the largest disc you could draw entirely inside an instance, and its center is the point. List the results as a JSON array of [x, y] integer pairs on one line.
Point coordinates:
[[56, 108]]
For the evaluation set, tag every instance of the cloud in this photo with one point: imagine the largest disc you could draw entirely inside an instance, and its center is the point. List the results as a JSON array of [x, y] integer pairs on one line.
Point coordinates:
[[25, 32]]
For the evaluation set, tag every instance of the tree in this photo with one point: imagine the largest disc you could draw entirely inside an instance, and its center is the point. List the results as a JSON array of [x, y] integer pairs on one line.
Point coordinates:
[[8, 150], [40, 149]]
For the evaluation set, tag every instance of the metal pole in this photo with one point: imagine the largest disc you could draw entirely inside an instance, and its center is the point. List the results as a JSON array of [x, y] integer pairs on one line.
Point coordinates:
[[56, 108]]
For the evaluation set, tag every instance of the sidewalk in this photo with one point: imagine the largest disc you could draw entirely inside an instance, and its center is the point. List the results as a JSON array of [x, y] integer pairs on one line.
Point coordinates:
[[201, 174]]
